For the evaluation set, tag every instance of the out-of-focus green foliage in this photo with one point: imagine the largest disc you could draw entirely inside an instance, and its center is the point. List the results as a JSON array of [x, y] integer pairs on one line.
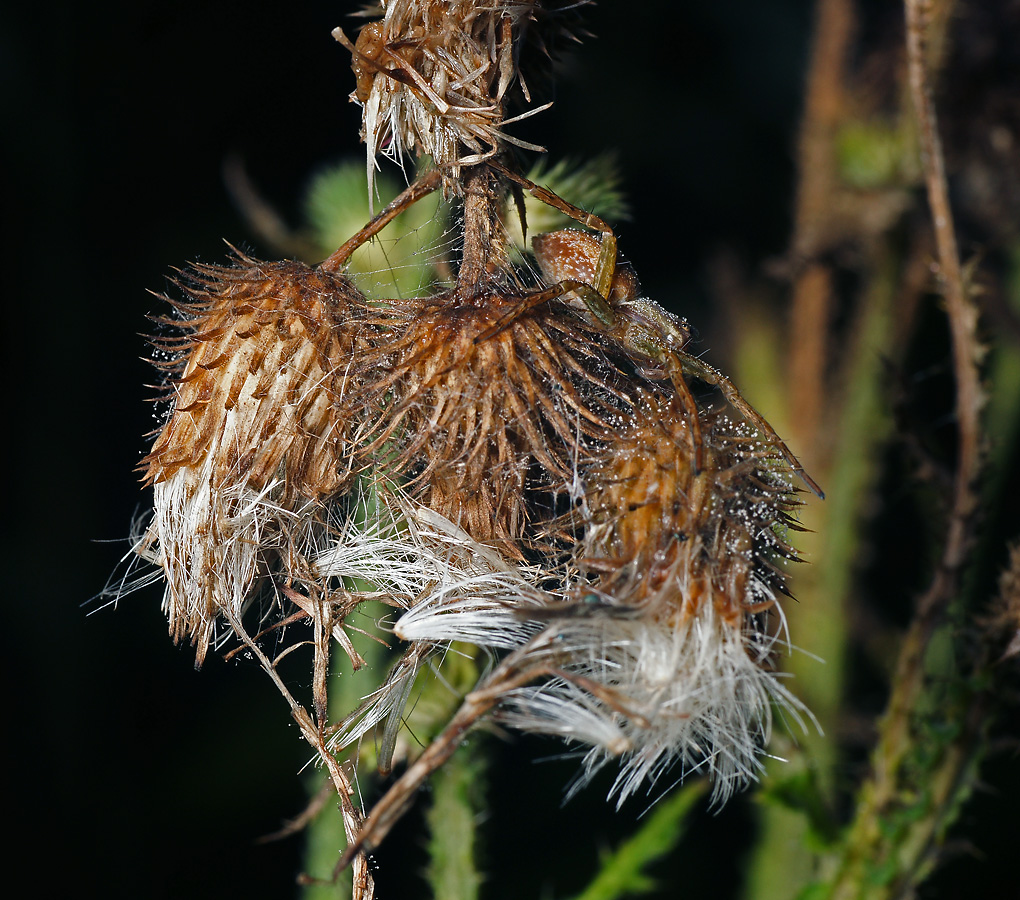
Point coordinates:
[[399, 263], [594, 186], [623, 872]]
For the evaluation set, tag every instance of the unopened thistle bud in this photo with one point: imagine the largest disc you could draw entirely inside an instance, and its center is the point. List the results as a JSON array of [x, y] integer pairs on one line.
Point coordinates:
[[253, 442]]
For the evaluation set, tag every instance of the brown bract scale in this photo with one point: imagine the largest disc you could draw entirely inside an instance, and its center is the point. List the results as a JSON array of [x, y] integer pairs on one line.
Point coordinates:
[[254, 437], [488, 418]]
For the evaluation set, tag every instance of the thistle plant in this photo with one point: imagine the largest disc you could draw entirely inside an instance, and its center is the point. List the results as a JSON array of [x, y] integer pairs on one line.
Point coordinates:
[[511, 467]]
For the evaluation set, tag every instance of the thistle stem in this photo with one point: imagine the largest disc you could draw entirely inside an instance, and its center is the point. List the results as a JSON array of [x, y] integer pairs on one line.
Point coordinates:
[[482, 254]]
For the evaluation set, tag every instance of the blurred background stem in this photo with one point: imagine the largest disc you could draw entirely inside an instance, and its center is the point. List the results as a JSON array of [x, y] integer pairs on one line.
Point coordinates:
[[800, 790]]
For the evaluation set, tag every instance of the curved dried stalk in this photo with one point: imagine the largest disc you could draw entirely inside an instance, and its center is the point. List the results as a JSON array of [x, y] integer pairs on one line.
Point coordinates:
[[363, 883]]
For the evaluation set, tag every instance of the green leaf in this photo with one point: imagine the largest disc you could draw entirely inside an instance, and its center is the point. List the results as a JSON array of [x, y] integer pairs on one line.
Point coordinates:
[[622, 872]]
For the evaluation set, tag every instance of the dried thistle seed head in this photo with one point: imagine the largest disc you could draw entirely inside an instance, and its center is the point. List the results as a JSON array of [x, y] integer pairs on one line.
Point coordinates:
[[654, 514], [661, 645], [684, 566], [486, 407], [433, 76], [253, 440], [261, 358]]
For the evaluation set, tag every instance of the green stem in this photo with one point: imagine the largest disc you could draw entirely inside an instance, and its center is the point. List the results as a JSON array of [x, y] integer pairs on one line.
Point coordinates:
[[458, 795], [325, 839]]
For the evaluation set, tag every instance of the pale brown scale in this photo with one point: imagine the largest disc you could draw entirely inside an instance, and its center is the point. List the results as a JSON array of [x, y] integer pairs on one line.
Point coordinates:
[[259, 379]]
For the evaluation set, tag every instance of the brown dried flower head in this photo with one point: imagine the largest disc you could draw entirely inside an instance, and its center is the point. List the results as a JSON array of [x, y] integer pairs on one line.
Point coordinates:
[[253, 436], [485, 418], [652, 513]]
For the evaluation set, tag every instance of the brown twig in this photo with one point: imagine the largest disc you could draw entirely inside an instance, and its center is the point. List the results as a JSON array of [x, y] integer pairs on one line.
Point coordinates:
[[812, 290], [363, 883], [960, 310], [962, 315], [418, 189]]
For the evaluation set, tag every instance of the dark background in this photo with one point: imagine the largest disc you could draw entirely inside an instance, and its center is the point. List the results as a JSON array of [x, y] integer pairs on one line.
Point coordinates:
[[132, 774]]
